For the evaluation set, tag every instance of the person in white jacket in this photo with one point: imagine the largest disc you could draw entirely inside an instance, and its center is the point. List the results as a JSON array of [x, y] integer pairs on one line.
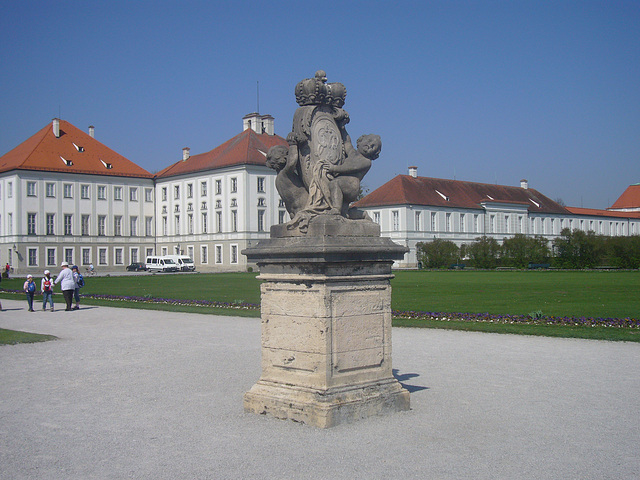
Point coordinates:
[[67, 283]]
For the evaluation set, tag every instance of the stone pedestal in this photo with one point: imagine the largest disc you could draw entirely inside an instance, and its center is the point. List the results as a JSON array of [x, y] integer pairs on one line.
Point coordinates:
[[326, 326]]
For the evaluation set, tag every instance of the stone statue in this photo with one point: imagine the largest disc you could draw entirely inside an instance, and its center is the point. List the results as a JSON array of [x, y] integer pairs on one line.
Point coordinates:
[[320, 173]]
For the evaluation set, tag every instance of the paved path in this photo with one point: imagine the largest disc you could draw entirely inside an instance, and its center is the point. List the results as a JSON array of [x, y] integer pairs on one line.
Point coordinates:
[[158, 395]]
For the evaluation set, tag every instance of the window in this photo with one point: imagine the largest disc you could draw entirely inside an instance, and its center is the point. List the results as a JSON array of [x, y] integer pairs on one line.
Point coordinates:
[[234, 220], [176, 192], [84, 192], [218, 222], [203, 206], [33, 257], [68, 255], [281, 204], [51, 190], [84, 225], [218, 203], [51, 256], [395, 220], [86, 256], [134, 255], [102, 256], [68, 218], [434, 223], [204, 222], [102, 192], [164, 194], [117, 225], [9, 189], [190, 251], [148, 194], [164, 251], [31, 223], [418, 217], [10, 222], [148, 226], [51, 223], [190, 223], [117, 193], [133, 194], [507, 224], [475, 224], [260, 184], [165, 226], [218, 253], [218, 187], [234, 202], [203, 189], [31, 189], [177, 224], [118, 256], [261, 202], [190, 207], [102, 225], [189, 190], [376, 217], [492, 223], [67, 190], [447, 224], [203, 254], [261, 220], [133, 226], [234, 253], [462, 229], [149, 252], [234, 185], [520, 224]]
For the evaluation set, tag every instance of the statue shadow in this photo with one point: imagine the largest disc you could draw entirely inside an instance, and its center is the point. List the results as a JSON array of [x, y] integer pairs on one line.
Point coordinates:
[[402, 378]]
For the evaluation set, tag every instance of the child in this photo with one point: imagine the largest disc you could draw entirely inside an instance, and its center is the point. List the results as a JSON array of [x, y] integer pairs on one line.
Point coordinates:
[[79, 284], [47, 290], [30, 290]]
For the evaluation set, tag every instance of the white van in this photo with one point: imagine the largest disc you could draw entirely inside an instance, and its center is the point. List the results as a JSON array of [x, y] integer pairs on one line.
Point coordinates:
[[161, 264], [184, 262]]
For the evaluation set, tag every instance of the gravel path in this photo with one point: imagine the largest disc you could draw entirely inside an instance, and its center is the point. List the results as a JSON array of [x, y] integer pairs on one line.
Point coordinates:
[[158, 395]]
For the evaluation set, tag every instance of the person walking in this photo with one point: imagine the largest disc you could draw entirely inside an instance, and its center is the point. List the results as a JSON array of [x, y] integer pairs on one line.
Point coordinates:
[[67, 283], [77, 276], [30, 290], [47, 290]]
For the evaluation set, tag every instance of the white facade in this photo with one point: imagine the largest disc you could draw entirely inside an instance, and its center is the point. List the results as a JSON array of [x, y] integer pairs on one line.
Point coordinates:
[[49, 217]]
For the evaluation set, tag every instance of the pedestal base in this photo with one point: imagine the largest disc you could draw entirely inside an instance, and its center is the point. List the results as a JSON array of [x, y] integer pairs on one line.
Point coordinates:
[[329, 408]]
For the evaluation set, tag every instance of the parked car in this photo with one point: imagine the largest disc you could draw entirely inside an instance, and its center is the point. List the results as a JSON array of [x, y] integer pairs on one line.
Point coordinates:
[[161, 264], [137, 267], [185, 264]]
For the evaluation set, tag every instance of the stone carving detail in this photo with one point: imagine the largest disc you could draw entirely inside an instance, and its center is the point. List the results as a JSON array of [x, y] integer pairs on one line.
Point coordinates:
[[321, 171]]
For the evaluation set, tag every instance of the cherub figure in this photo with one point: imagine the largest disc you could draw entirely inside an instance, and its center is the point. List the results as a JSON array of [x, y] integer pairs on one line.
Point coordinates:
[[288, 182], [345, 185]]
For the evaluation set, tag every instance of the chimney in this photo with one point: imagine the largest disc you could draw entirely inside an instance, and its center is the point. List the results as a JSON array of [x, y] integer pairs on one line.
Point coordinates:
[[413, 171], [92, 131], [56, 127], [524, 184], [185, 153]]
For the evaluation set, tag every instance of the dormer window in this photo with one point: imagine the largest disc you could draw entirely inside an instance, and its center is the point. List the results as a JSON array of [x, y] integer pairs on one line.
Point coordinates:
[[106, 165], [443, 196], [68, 163], [490, 197], [78, 148], [535, 203]]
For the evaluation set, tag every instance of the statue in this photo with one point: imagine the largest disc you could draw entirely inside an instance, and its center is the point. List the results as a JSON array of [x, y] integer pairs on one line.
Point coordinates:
[[320, 174]]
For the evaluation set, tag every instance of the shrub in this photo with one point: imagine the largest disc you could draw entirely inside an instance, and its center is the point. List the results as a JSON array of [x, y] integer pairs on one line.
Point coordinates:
[[484, 252], [437, 253]]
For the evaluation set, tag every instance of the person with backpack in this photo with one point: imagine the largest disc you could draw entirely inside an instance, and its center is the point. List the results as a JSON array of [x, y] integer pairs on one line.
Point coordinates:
[[30, 290], [47, 290], [79, 284]]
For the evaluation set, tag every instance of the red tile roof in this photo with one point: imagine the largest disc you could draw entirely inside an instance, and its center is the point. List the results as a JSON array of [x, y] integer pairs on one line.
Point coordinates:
[[46, 152], [630, 198], [246, 148], [602, 213], [408, 190]]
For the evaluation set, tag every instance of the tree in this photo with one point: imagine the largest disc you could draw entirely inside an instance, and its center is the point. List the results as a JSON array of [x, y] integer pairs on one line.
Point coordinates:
[[437, 253], [577, 249], [624, 252], [484, 252], [520, 250]]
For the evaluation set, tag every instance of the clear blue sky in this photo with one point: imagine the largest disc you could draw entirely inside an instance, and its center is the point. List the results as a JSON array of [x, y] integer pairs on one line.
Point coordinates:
[[486, 91]]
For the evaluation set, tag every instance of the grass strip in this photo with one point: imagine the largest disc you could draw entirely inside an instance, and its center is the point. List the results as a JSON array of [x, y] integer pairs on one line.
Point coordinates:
[[13, 337]]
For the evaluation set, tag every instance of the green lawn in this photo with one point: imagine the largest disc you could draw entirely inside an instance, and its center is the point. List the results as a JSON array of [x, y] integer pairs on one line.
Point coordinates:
[[554, 293], [12, 337]]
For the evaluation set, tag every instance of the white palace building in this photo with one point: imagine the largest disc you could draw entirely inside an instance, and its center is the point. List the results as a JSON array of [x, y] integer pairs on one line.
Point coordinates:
[[67, 197]]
